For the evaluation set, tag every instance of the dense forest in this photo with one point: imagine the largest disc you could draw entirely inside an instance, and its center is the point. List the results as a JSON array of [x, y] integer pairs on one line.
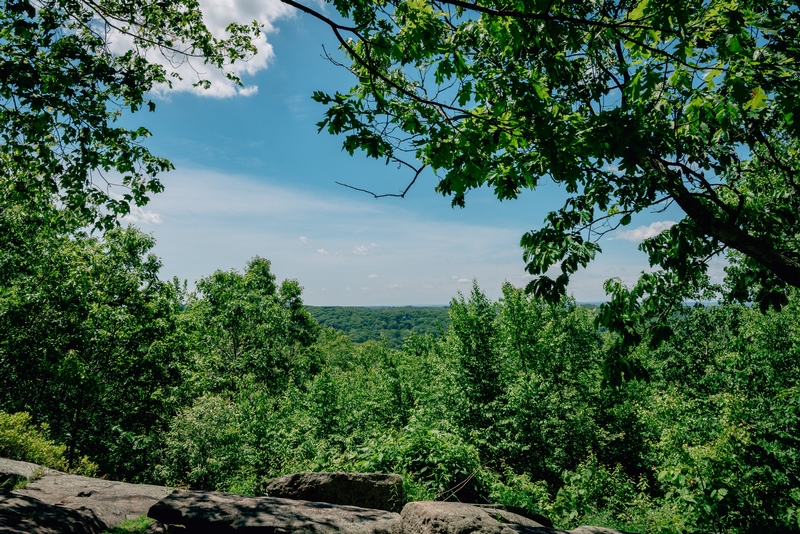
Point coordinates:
[[391, 325], [107, 369]]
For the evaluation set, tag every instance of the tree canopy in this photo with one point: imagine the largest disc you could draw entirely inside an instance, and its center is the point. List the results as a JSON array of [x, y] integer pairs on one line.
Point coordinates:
[[628, 105], [64, 84]]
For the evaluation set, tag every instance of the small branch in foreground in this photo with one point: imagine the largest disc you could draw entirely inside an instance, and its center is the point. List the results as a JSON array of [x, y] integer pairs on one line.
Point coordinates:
[[417, 172]]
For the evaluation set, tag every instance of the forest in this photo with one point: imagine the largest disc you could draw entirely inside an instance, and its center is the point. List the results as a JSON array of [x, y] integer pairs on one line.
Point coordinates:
[[389, 324], [106, 369]]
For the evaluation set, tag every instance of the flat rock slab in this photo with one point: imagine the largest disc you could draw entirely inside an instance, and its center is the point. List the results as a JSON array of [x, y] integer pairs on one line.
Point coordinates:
[[431, 517], [23, 469], [366, 490], [213, 512], [20, 514], [112, 502]]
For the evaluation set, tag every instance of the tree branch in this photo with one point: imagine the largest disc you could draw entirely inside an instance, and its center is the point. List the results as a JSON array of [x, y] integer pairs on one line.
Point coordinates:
[[398, 195]]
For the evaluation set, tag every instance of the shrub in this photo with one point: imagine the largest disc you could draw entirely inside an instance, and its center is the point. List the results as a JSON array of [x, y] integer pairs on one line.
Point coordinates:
[[435, 462], [208, 448], [21, 440]]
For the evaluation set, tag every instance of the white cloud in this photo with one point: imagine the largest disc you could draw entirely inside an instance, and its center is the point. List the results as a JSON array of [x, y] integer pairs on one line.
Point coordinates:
[[304, 240], [395, 286], [219, 221], [644, 232], [139, 216], [364, 289], [360, 251], [373, 245], [217, 15], [372, 276]]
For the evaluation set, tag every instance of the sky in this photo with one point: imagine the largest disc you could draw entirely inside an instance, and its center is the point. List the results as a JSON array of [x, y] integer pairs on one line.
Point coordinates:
[[254, 177]]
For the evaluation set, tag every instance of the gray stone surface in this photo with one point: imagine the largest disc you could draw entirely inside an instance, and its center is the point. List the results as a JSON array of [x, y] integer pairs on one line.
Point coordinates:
[[518, 511], [367, 490], [431, 517], [23, 469], [211, 512], [57, 502], [20, 514], [112, 502], [157, 527]]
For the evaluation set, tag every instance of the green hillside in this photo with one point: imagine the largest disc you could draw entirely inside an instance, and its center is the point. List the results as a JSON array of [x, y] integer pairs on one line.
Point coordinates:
[[391, 324]]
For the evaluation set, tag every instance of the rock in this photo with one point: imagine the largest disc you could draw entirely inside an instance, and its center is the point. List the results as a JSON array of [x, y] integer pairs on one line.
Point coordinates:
[[24, 469], [431, 517], [157, 527], [210, 512], [367, 490], [539, 518], [112, 502], [26, 515]]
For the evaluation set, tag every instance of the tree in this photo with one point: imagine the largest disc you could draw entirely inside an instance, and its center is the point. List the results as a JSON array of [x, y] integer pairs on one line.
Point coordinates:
[[247, 325], [629, 105], [62, 89], [475, 337], [88, 340]]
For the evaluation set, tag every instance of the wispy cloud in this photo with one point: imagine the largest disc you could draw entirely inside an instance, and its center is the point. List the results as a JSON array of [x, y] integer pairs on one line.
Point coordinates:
[[373, 275], [304, 240], [644, 232], [219, 221], [360, 251]]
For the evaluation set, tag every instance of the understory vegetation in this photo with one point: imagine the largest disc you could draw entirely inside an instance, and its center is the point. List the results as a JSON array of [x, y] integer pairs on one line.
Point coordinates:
[[230, 384]]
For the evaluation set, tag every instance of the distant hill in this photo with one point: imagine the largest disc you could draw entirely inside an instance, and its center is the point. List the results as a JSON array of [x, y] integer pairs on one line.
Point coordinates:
[[392, 324]]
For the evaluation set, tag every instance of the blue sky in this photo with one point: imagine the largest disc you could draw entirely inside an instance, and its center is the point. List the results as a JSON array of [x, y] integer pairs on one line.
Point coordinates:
[[253, 177]]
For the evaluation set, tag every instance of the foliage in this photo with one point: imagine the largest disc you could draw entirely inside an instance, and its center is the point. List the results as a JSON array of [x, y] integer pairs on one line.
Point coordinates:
[[244, 324], [87, 337], [628, 106], [436, 463], [63, 88], [234, 383], [131, 525], [21, 440], [479, 364], [207, 447], [390, 325]]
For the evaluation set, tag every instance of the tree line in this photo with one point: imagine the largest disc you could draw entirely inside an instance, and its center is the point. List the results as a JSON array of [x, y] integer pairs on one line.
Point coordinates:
[[392, 325]]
